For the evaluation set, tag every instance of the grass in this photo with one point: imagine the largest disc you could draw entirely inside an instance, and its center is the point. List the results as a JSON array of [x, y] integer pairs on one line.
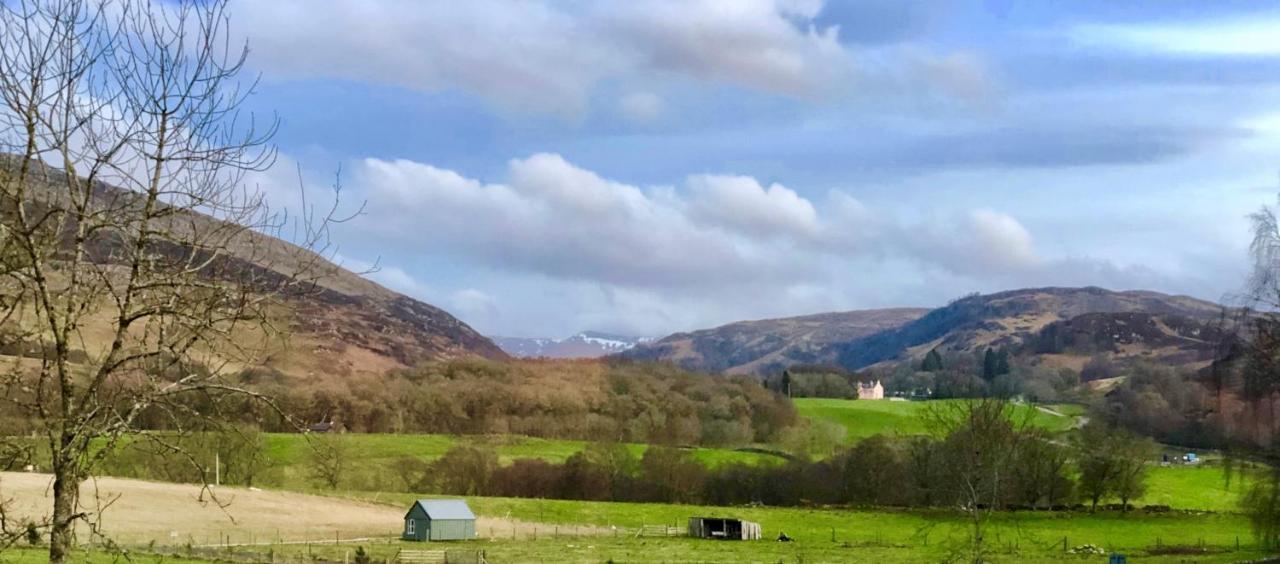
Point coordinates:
[[1204, 487], [863, 418], [39, 555], [372, 454], [290, 448], [881, 534]]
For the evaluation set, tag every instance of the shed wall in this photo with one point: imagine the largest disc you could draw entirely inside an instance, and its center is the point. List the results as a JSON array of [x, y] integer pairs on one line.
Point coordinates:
[[452, 529]]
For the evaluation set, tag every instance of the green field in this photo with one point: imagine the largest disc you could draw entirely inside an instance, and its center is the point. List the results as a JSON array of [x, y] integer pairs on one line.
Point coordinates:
[[864, 535], [1202, 487], [862, 418], [372, 454]]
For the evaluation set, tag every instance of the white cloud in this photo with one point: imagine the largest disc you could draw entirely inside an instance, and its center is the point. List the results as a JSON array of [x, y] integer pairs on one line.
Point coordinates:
[[554, 219], [554, 248], [741, 204], [548, 56], [1233, 37], [981, 244], [474, 303], [756, 43], [1000, 241]]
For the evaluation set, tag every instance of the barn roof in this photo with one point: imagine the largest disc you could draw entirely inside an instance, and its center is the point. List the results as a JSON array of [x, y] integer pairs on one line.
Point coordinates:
[[445, 509]]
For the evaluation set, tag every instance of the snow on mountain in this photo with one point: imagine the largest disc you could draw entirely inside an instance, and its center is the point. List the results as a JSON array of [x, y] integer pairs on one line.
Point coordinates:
[[587, 344]]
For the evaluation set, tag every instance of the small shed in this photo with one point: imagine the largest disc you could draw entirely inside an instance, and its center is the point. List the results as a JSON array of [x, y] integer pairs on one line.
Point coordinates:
[[723, 528], [439, 519]]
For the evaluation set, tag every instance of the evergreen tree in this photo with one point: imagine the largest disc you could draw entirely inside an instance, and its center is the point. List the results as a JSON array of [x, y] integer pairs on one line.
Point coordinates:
[[932, 362], [989, 363], [786, 383], [1002, 362]]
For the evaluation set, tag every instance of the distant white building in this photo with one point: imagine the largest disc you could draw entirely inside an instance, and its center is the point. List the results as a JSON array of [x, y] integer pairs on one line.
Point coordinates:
[[872, 391]]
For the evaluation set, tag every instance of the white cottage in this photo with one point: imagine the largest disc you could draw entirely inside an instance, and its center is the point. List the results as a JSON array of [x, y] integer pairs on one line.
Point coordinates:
[[872, 390]]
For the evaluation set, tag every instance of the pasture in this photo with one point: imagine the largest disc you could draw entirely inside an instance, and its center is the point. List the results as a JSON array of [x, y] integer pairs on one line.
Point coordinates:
[[518, 530], [864, 418], [371, 455]]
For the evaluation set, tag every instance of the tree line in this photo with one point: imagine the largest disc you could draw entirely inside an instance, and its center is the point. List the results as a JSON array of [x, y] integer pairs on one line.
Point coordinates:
[[983, 457], [619, 401]]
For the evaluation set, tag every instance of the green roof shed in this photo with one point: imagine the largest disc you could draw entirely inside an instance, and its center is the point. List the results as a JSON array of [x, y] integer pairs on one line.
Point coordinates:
[[439, 519]]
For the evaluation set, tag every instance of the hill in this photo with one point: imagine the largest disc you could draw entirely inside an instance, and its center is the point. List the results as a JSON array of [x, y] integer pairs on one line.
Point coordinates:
[[587, 344], [1157, 326], [1065, 326], [754, 347], [345, 324]]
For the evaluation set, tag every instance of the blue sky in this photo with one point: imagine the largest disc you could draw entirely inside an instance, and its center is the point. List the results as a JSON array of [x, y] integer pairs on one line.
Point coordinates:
[[540, 167]]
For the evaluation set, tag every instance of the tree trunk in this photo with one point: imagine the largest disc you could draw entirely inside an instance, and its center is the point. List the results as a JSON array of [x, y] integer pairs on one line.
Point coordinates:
[[61, 534]]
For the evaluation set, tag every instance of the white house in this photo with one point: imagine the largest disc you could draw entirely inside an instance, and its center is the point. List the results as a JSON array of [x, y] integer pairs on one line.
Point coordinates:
[[872, 391]]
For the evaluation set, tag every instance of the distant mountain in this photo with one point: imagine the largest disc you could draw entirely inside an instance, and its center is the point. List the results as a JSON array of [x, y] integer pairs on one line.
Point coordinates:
[[1016, 318], [588, 344], [757, 347], [1066, 326]]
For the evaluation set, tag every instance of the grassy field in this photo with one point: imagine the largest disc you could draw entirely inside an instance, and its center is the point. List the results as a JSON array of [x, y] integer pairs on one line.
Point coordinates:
[[522, 530], [1203, 487], [826, 535], [862, 418], [372, 454]]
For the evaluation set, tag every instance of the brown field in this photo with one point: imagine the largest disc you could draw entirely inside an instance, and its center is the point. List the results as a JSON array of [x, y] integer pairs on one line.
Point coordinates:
[[138, 512], [135, 511]]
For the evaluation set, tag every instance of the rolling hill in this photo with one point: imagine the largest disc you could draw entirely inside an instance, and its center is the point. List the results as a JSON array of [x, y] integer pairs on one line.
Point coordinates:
[[1064, 325], [341, 324], [753, 347]]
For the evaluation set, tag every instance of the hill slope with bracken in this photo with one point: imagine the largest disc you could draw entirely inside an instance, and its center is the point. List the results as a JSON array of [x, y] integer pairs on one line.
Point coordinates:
[[344, 324], [1066, 326]]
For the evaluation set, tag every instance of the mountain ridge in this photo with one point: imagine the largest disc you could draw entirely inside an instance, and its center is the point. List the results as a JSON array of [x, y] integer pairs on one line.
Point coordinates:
[[861, 338], [585, 344]]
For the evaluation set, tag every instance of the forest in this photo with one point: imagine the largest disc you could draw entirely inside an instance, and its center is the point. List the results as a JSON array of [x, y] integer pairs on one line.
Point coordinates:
[[594, 400]]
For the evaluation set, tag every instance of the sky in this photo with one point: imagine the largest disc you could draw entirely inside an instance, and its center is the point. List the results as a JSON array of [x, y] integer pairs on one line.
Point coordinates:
[[541, 167]]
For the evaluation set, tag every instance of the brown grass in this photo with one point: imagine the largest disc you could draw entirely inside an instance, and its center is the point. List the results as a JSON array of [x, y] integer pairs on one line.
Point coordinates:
[[138, 512], [135, 511]]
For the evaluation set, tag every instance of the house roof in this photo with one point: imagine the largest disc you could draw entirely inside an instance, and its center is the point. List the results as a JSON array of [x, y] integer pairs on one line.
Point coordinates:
[[445, 509]]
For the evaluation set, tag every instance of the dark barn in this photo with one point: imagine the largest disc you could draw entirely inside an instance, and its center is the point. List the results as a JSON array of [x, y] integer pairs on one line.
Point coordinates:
[[723, 528]]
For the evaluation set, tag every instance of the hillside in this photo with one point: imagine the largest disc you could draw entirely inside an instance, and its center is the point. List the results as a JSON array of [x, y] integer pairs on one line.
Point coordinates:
[[1014, 318], [345, 324], [587, 344], [753, 347], [1066, 326]]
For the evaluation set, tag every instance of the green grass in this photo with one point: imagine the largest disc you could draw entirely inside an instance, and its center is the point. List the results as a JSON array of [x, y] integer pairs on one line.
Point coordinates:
[[677, 549], [890, 535], [1203, 487], [863, 418], [372, 454]]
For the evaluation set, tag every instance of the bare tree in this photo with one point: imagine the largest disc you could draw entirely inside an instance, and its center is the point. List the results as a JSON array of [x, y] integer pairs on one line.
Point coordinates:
[[329, 458], [982, 441], [133, 258]]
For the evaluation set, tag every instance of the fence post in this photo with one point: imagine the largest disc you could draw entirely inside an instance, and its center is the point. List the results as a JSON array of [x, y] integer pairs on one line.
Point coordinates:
[[1064, 544]]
